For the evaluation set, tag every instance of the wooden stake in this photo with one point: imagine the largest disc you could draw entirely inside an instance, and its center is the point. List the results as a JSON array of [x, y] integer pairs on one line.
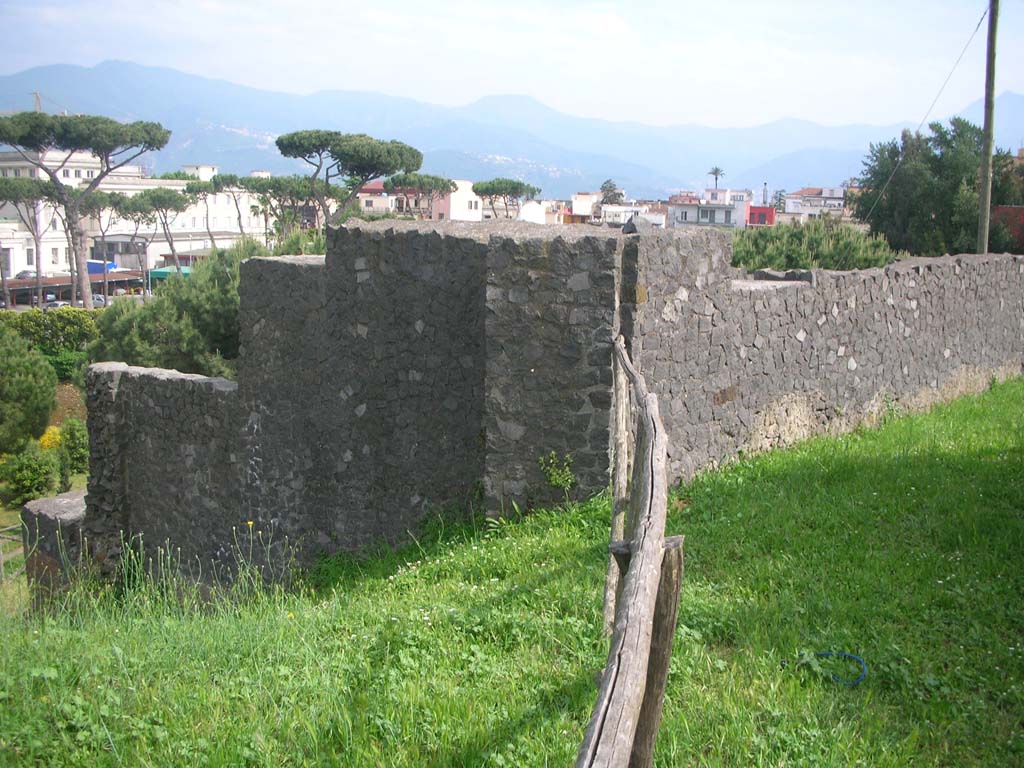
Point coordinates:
[[666, 614]]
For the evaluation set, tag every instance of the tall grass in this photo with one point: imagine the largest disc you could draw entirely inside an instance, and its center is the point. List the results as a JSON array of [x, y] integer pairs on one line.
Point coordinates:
[[479, 644]]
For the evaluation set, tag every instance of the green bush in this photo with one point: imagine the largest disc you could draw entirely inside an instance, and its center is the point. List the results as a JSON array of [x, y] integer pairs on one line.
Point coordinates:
[[190, 325], [302, 242], [74, 439], [30, 473], [28, 392], [68, 364], [819, 244], [58, 330]]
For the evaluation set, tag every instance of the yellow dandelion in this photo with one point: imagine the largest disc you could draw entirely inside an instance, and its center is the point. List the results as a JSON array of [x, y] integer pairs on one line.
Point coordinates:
[[249, 523]]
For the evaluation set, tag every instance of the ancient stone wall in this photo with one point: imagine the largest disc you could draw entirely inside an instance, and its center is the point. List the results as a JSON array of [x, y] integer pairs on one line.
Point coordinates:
[[746, 365], [164, 463], [420, 366], [550, 324]]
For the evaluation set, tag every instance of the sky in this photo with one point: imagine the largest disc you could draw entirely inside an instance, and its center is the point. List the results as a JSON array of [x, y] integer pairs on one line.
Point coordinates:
[[659, 62]]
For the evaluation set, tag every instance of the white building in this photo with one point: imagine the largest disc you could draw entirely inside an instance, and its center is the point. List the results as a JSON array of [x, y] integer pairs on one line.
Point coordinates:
[[585, 203], [813, 202], [229, 216], [713, 207], [462, 205]]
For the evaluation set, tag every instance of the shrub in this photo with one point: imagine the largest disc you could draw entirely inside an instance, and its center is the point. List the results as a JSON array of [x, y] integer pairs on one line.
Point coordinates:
[[74, 439], [51, 439], [191, 324], [28, 392], [30, 473], [821, 243], [301, 242], [68, 365], [67, 329]]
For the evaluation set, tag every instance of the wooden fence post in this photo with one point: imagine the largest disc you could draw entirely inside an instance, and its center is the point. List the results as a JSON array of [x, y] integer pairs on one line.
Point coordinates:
[[666, 614], [610, 734], [620, 489]]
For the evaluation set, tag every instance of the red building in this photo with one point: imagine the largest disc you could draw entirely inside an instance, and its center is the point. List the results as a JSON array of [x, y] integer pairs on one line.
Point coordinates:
[[1011, 217], [761, 216]]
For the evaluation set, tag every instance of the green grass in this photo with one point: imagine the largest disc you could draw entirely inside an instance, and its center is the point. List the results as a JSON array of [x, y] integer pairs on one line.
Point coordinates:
[[479, 645]]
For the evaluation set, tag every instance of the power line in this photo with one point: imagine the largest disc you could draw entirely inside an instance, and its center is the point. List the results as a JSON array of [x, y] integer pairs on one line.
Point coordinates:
[[945, 82]]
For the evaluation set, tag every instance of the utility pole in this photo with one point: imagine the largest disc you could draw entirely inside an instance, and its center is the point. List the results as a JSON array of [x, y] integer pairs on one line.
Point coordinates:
[[986, 147]]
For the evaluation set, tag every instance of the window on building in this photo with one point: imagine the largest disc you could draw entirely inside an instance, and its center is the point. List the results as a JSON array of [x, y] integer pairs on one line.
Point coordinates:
[[704, 215], [55, 255], [53, 223], [728, 217], [32, 173], [368, 204], [17, 172], [193, 221], [5, 260], [470, 205], [66, 173], [214, 221], [31, 255], [714, 195], [440, 217], [78, 173], [762, 218], [3, 173], [88, 174]]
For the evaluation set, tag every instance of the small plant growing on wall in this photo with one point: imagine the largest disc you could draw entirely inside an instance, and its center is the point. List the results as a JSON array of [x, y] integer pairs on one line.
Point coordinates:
[[558, 472]]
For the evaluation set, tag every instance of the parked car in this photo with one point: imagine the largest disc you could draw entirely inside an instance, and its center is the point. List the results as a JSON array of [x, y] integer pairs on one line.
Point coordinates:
[[99, 300], [25, 274], [55, 305]]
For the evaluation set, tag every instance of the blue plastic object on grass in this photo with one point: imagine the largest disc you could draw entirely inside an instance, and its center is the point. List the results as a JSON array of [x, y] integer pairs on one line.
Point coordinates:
[[852, 657]]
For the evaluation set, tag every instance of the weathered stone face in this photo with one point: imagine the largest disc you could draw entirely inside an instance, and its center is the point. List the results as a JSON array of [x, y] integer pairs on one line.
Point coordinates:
[[747, 365], [427, 367]]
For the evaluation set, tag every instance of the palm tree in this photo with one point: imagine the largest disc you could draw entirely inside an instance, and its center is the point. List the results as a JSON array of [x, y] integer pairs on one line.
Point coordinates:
[[716, 172]]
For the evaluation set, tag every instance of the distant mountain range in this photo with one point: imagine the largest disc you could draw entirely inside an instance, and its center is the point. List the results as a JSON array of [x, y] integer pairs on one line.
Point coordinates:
[[234, 126]]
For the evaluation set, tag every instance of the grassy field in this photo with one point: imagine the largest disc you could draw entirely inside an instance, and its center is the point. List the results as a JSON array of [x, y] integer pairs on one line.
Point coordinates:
[[479, 645]]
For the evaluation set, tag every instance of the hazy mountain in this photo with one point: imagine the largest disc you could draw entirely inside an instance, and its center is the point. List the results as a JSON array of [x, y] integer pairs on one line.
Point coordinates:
[[234, 126]]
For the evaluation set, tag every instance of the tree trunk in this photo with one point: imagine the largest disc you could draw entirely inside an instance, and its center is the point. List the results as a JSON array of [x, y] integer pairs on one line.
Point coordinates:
[[103, 255], [3, 285], [209, 232], [73, 278], [83, 284], [170, 242], [238, 210], [39, 266]]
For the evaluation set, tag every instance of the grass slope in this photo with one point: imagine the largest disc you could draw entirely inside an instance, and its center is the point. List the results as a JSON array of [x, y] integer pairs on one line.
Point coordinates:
[[902, 545]]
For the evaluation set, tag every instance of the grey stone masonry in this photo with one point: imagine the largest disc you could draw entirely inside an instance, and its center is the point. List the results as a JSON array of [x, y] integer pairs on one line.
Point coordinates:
[[550, 320], [51, 532], [422, 368], [746, 365], [163, 464]]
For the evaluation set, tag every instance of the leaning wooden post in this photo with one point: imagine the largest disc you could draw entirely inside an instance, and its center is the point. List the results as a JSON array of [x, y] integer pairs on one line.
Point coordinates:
[[608, 740], [620, 486], [666, 615]]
